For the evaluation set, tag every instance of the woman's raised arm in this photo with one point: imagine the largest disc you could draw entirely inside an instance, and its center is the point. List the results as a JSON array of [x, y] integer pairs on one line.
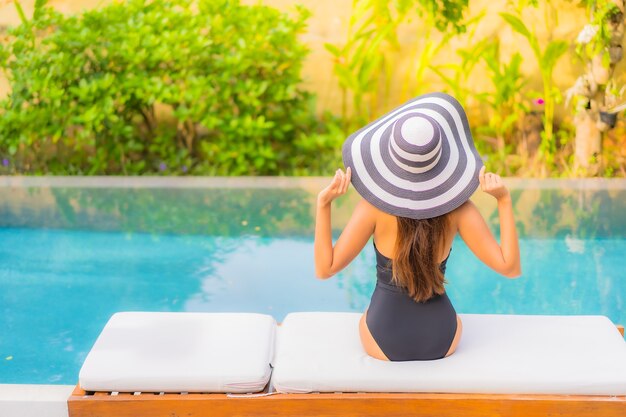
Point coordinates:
[[329, 260], [503, 258]]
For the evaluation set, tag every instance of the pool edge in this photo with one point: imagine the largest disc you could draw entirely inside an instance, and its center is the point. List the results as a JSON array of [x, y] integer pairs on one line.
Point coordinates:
[[34, 400], [24, 181]]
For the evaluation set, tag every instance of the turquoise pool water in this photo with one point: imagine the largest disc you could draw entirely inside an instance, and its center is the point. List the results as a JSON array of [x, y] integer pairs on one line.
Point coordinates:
[[71, 257]]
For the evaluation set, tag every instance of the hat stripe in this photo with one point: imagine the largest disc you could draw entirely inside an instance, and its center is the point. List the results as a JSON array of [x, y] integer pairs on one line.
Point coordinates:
[[416, 168], [404, 187], [398, 191], [403, 183], [400, 172], [412, 157], [412, 124], [453, 127]]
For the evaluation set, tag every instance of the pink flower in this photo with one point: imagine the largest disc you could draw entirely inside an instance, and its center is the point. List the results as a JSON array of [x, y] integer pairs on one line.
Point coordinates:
[[539, 101]]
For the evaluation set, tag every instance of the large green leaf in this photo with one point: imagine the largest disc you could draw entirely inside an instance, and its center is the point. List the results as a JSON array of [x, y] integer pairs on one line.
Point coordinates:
[[20, 12], [553, 52], [516, 24], [39, 8]]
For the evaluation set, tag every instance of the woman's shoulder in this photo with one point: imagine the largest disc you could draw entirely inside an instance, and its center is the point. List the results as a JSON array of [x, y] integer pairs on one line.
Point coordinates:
[[381, 216], [377, 214], [457, 214], [464, 208], [467, 211], [368, 207]]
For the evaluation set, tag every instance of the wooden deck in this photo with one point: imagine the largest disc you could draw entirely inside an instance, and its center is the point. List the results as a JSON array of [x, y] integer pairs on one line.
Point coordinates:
[[102, 404], [128, 404]]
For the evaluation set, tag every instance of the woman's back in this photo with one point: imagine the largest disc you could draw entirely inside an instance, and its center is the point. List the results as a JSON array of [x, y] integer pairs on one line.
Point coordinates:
[[394, 323], [386, 232]]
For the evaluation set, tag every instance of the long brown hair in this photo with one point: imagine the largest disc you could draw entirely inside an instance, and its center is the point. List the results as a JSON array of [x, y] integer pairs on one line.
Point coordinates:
[[416, 264]]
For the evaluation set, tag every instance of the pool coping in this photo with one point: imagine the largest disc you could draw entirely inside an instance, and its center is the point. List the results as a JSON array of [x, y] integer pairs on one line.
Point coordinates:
[[34, 400], [21, 181]]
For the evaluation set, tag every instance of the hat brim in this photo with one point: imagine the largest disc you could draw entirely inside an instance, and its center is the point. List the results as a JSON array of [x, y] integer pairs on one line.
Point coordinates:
[[418, 194]]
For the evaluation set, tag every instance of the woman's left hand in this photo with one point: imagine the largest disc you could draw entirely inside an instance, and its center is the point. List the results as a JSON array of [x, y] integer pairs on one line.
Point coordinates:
[[338, 186]]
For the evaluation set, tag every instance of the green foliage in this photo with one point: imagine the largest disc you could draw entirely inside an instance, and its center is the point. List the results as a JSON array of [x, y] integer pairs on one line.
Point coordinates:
[[507, 107], [363, 64], [447, 14], [504, 101], [171, 86], [603, 13], [546, 61], [456, 74]]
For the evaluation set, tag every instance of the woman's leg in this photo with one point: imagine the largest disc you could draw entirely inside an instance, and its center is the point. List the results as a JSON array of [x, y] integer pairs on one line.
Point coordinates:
[[368, 342], [457, 337]]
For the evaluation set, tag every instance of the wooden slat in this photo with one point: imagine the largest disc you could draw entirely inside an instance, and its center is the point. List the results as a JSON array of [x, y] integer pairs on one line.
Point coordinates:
[[348, 405], [125, 404]]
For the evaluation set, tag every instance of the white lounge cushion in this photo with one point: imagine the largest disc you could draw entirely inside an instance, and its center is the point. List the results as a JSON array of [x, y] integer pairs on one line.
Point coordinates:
[[508, 354], [178, 352]]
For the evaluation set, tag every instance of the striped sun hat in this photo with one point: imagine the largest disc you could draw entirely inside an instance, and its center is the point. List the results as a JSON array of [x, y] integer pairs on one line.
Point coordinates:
[[417, 161]]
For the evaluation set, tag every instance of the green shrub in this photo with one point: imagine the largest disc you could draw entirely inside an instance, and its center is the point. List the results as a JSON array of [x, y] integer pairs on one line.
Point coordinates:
[[173, 86]]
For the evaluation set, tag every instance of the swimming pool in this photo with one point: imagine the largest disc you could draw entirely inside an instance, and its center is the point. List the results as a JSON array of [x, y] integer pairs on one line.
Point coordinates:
[[75, 251]]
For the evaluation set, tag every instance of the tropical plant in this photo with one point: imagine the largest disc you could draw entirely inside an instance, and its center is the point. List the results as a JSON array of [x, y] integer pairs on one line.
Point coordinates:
[[595, 37], [547, 57], [363, 64], [497, 127], [456, 75], [167, 86], [507, 107], [595, 95]]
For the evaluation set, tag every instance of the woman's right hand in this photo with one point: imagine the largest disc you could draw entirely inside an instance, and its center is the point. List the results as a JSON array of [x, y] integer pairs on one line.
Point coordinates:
[[492, 184], [338, 186]]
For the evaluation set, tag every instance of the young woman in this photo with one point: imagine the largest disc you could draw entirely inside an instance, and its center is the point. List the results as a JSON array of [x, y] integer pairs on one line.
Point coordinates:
[[415, 169]]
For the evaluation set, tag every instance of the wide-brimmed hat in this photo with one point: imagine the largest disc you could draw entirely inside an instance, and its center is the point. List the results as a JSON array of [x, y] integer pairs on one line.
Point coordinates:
[[416, 161]]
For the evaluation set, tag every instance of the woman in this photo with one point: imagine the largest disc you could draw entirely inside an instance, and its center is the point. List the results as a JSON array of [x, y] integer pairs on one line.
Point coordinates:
[[415, 169]]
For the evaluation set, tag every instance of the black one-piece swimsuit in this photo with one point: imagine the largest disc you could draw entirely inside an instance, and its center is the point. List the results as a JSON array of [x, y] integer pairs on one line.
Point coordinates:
[[404, 329]]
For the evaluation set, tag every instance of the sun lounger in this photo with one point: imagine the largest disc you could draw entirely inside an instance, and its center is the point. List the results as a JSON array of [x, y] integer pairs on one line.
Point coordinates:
[[174, 352], [507, 365], [498, 354]]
